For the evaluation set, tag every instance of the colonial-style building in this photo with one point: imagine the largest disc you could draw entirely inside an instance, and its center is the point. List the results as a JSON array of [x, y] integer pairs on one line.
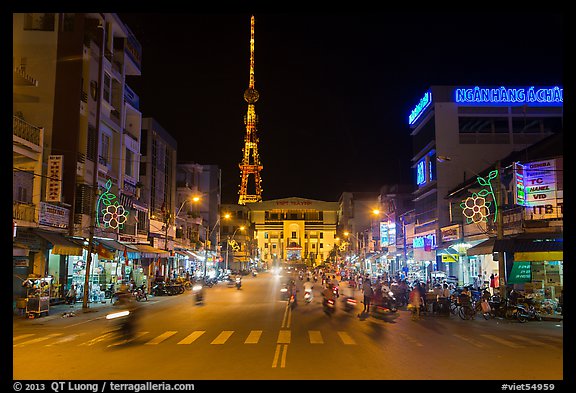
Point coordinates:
[[294, 230]]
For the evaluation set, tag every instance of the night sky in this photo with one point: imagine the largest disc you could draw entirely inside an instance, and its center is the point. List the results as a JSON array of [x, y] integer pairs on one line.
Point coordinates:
[[335, 89]]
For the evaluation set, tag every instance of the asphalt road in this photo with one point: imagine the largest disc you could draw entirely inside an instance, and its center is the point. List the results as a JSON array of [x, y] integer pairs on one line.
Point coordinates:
[[250, 334]]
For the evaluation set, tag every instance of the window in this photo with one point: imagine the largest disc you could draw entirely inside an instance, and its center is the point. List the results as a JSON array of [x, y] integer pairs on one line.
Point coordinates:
[[321, 245], [313, 245], [321, 235], [265, 235], [129, 163], [107, 86], [294, 235], [105, 150], [40, 22], [265, 245]]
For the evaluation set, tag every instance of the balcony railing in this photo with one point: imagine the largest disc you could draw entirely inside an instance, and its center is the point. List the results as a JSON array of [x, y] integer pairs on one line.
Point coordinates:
[[23, 211], [26, 131]]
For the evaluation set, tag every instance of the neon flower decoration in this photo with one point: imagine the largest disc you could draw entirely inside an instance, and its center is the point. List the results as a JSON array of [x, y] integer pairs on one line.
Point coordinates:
[[475, 208], [114, 215]]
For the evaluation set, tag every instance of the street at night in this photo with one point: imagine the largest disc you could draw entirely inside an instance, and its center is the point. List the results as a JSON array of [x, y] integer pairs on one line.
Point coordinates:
[[261, 197], [250, 334]]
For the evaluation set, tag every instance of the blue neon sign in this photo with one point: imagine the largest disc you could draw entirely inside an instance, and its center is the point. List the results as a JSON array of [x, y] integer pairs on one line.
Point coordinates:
[[552, 96], [419, 109], [421, 172]]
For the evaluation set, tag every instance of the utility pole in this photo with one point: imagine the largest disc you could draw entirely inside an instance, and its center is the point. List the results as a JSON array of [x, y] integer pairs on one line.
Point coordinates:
[[500, 236], [95, 190]]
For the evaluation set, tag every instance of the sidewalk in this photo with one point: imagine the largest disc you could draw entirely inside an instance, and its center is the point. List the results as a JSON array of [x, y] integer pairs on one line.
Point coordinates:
[[65, 311], [556, 317]]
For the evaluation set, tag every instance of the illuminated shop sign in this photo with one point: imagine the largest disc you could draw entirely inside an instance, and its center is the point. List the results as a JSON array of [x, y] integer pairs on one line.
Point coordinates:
[[425, 169], [510, 96], [428, 242], [536, 188], [421, 172], [420, 108]]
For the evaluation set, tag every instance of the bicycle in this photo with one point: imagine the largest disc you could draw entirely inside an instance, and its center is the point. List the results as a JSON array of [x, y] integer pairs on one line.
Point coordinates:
[[467, 309]]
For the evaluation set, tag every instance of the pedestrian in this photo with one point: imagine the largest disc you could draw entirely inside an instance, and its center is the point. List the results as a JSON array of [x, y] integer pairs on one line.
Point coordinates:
[[378, 297], [71, 295], [422, 288], [368, 294], [416, 302]]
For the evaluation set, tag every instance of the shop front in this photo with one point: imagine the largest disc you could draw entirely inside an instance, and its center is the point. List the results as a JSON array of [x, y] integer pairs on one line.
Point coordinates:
[[535, 268], [59, 250]]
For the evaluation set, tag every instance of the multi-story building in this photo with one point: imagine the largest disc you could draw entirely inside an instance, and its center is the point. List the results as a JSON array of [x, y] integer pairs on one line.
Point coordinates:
[[91, 131], [357, 225], [459, 131], [294, 230], [393, 201], [517, 235], [236, 234], [158, 155]]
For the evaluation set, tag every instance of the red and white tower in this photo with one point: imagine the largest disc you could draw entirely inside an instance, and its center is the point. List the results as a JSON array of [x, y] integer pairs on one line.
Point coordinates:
[[250, 164]]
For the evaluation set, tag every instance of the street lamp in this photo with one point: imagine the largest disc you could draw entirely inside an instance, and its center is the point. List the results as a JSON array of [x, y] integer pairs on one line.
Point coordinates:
[[228, 243], [208, 235]]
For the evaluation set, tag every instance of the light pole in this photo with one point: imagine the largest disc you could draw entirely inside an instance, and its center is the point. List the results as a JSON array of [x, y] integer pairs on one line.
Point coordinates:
[[208, 234], [228, 243]]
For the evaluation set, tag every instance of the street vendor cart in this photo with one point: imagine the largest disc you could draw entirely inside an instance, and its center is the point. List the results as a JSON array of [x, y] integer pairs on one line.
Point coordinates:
[[37, 296]]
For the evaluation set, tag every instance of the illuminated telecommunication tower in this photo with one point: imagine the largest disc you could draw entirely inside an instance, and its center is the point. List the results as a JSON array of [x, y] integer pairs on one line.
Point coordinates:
[[250, 164]]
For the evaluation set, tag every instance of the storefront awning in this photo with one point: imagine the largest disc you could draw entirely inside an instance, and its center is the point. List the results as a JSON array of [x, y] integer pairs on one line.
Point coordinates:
[[60, 245], [147, 251], [20, 250], [483, 248], [110, 243], [529, 245]]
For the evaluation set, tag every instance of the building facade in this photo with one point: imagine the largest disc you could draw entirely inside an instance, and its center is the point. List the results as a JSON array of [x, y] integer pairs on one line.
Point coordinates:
[[91, 123], [457, 132], [294, 230]]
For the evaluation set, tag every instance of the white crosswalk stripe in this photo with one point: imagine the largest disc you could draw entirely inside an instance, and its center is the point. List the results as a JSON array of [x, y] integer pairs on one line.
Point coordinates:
[[37, 340], [284, 337]]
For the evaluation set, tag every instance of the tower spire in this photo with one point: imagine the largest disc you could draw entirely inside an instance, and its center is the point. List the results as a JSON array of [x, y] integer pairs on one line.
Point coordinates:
[[250, 164]]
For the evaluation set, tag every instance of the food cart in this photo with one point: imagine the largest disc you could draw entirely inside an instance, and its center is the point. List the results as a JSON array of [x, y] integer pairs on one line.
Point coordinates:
[[37, 296]]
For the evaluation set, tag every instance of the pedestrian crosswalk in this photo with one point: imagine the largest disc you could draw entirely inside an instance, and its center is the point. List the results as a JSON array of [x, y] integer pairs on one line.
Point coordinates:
[[279, 337]]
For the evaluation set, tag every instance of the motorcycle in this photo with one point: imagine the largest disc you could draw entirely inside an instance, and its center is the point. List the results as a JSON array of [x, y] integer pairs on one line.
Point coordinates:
[[335, 290], [139, 294], [126, 324], [329, 306], [238, 282], [198, 292], [350, 304], [308, 296], [284, 292], [383, 312]]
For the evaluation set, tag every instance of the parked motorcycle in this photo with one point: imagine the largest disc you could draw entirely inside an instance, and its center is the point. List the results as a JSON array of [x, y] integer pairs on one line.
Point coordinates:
[[140, 294]]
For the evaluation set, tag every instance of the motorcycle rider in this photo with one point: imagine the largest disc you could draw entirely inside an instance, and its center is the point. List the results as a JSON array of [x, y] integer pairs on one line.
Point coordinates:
[[328, 294], [308, 289]]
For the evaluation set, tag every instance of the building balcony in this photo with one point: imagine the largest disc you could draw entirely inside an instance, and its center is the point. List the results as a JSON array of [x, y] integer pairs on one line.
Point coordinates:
[[24, 212], [27, 141], [21, 78], [27, 131]]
